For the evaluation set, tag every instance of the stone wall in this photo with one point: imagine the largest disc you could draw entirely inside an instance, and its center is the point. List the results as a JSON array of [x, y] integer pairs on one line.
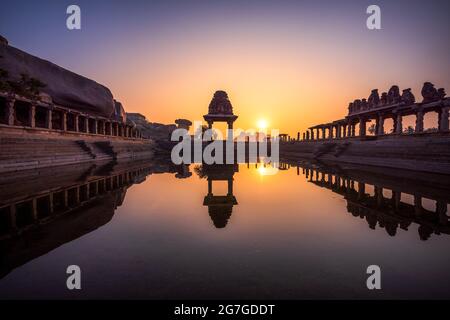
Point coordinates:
[[421, 152], [32, 148]]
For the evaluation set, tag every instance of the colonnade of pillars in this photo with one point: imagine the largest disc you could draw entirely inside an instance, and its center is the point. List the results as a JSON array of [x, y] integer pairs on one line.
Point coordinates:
[[346, 185], [24, 213], [22, 113], [346, 129]]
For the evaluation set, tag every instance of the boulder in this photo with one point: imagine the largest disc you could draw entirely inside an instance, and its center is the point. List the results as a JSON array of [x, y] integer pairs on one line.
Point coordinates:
[[66, 88]]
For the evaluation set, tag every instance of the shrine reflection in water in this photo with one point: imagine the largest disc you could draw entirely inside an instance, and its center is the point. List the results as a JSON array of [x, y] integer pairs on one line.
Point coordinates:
[[141, 230]]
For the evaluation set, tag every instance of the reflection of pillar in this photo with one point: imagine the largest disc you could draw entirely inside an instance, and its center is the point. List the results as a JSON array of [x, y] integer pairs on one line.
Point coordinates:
[[396, 196], [50, 203], [361, 190], [13, 220], [230, 186], [379, 195], [417, 205], [441, 210], [419, 121], [209, 186], [34, 209]]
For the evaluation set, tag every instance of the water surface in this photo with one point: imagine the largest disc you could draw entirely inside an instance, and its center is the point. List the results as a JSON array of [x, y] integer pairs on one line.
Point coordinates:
[[157, 231]]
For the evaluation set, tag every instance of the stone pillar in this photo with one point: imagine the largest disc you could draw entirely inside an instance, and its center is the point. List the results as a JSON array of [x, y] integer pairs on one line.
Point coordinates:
[[230, 130], [76, 124], [312, 134], [443, 119], [307, 135], [10, 105], [48, 119], [86, 124], [353, 129], [338, 131], [344, 131], [304, 136], [32, 116], [323, 133], [398, 124], [64, 121], [95, 126], [380, 126], [362, 127], [419, 121]]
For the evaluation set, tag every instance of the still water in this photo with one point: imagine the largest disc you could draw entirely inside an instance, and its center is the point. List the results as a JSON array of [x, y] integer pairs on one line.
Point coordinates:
[[156, 231]]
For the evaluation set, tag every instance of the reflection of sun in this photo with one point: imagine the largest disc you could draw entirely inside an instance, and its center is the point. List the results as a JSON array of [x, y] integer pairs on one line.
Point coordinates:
[[262, 171], [262, 124]]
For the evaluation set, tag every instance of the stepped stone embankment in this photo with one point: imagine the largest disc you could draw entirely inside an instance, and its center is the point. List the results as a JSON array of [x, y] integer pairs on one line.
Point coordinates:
[[428, 152], [21, 149]]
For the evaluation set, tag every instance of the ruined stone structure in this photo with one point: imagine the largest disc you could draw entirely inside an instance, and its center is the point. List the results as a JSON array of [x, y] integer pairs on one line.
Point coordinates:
[[384, 207], [45, 108], [349, 140], [391, 105], [220, 110], [55, 207], [220, 207], [183, 124]]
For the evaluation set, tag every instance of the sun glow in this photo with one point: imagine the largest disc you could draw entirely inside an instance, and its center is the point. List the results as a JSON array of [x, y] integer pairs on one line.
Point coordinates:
[[262, 124]]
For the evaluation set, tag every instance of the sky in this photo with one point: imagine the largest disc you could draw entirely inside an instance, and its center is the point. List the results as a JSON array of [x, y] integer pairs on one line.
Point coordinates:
[[293, 63]]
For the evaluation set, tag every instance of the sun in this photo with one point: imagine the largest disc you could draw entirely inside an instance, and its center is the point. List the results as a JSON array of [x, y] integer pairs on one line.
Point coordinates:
[[262, 124]]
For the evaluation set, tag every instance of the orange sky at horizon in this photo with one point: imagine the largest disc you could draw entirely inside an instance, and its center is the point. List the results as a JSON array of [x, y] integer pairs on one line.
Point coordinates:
[[294, 64]]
